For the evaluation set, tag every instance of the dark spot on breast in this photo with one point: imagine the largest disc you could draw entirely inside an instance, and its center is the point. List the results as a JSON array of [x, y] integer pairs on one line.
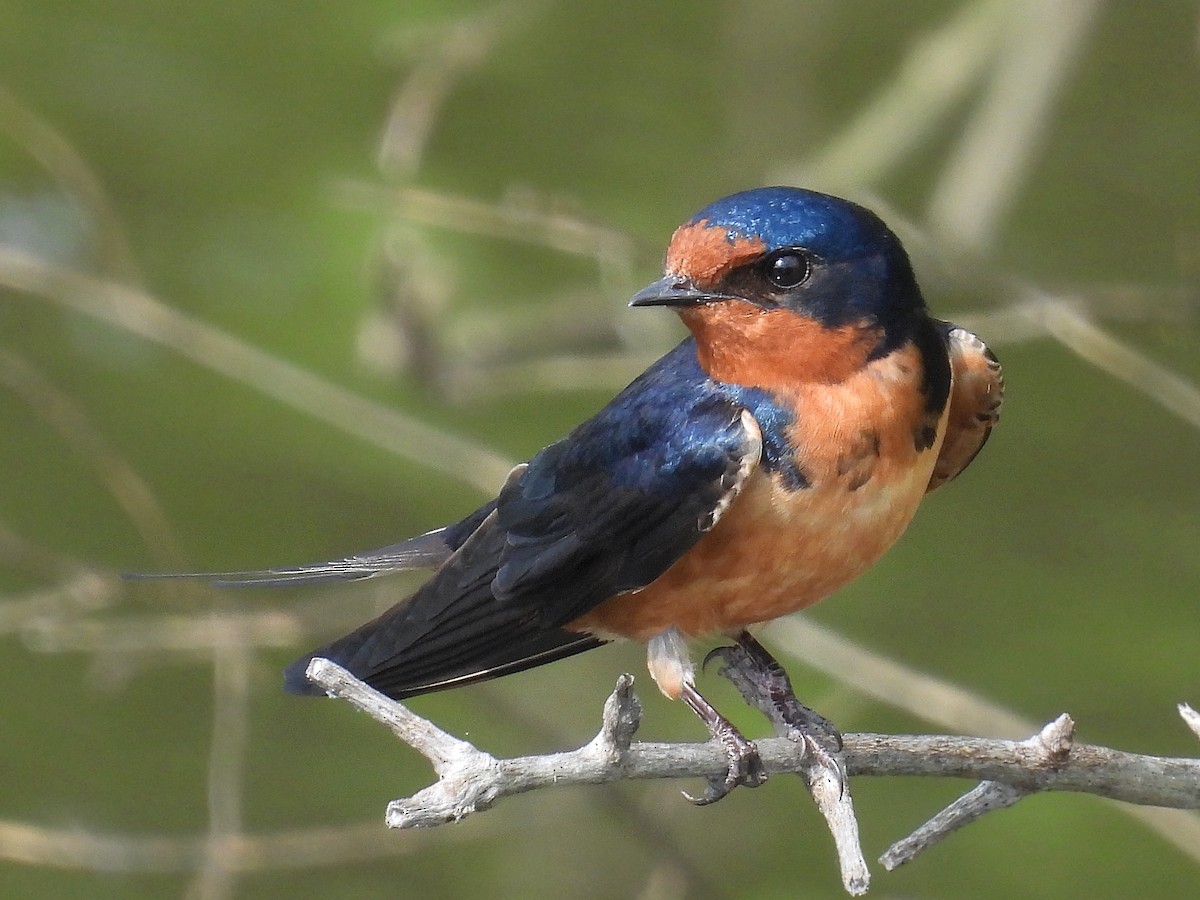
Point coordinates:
[[925, 434], [857, 463]]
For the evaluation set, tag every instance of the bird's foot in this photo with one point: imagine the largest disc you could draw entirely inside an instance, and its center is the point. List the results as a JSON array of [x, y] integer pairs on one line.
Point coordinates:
[[745, 766], [765, 684]]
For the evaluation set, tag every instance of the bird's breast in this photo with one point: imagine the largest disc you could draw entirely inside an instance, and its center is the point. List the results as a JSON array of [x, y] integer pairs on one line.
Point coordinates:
[[780, 548]]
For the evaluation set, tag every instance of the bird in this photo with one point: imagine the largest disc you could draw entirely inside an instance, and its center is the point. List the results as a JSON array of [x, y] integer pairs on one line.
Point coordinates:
[[762, 464]]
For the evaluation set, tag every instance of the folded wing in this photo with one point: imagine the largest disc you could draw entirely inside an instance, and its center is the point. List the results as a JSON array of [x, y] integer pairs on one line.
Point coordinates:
[[606, 510], [975, 401]]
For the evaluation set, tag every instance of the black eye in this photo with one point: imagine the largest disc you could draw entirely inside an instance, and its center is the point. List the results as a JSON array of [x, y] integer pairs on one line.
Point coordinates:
[[787, 269]]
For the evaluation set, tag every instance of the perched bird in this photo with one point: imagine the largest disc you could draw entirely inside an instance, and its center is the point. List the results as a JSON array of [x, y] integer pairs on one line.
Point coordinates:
[[762, 464]]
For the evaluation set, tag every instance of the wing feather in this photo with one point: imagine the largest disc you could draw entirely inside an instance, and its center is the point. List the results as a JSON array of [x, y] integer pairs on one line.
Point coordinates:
[[975, 400], [425, 551], [604, 511]]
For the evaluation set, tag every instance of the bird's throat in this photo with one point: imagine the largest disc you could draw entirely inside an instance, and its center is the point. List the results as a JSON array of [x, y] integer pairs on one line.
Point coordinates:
[[739, 343]]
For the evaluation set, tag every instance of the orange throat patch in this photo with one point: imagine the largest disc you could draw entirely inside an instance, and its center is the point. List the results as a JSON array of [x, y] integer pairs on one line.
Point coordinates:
[[740, 343]]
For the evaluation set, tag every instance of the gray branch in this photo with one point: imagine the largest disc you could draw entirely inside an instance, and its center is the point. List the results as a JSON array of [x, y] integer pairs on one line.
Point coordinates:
[[471, 780]]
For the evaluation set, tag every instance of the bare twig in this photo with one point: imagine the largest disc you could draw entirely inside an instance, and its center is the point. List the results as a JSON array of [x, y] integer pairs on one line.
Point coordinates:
[[822, 765], [1191, 718], [1052, 743], [215, 879], [471, 780], [946, 706]]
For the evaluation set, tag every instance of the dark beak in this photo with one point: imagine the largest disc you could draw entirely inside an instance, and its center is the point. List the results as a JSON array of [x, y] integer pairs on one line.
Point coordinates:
[[674, 290]]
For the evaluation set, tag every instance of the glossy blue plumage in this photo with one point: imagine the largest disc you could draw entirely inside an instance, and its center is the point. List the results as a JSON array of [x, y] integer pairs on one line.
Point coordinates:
[[596, 520], [792, 217], [863, 275], [613, 505], [605, 510]]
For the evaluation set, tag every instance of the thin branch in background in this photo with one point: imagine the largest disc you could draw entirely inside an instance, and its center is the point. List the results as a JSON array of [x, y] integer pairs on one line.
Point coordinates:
[[440, 57], [401, 334], [416, 331], [519, 217], [216, 879], [1016, 322], [81, 849], [405, 334], [1080, 335], [127, 487], [208, 634], [19, 554], [288, 383], [122, 648], [75, 178], [77, 593], [67, 587], [936, 76], [996, 149]]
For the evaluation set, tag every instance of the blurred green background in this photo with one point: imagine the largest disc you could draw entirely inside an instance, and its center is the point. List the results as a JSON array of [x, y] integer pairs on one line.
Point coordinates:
[[247, 248]]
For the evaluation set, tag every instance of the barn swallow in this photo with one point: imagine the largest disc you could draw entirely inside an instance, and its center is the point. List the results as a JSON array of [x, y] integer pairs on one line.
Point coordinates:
[[763, 463]]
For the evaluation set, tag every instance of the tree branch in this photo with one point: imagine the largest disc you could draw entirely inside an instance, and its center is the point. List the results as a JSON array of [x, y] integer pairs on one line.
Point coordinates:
[[471, 780]]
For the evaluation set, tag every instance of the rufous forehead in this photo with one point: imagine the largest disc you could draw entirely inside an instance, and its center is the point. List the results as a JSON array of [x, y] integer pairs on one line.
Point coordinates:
[[705, 252]]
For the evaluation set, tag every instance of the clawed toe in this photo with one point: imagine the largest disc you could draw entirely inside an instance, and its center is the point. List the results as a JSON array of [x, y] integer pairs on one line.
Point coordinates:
[[764, 684], [805, 724], [745, 768]]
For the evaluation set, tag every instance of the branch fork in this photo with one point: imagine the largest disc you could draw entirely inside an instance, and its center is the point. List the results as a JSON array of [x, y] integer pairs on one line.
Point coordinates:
[[470, 780]]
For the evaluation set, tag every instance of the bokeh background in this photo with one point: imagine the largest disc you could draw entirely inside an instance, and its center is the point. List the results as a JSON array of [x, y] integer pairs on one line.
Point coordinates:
[[279, 282]]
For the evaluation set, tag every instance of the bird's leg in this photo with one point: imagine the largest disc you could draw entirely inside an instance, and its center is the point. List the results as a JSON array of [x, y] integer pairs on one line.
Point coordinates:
[[765, 684], [671, 668], [745, 765]]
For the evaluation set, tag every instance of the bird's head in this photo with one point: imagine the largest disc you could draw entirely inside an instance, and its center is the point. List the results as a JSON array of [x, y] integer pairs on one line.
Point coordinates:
[[781, 284]]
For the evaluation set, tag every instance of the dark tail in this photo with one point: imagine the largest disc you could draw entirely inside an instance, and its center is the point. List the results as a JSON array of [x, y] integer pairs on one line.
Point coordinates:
[[452, 631]]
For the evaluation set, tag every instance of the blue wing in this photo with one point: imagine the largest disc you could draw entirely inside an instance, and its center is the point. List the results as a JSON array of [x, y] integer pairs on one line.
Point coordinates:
[[606, 510]]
